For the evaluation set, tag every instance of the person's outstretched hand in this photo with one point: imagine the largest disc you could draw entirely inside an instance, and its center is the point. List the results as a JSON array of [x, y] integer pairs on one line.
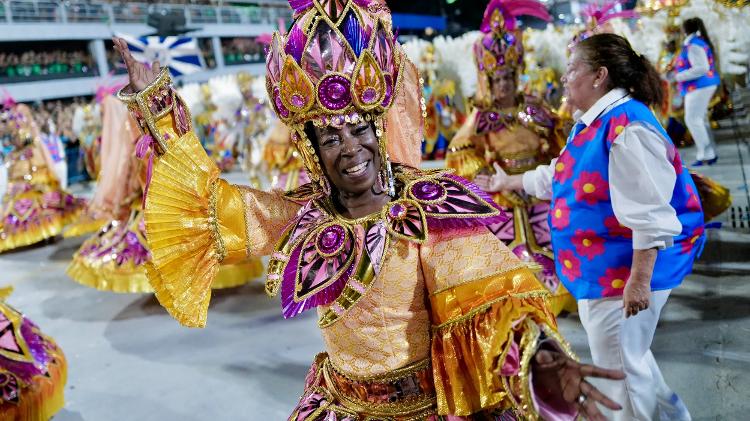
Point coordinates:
[[140, 75], [562, 379], [499, 181]]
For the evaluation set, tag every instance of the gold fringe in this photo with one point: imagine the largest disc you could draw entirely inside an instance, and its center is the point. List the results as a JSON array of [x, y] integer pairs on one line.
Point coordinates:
[[183, 262], [85, 226], [47, 229], [123, 280], [41, 400], [134, 280]]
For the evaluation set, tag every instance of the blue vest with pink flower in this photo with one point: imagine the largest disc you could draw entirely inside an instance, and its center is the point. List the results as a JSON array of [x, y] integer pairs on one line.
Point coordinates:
[[709, 79], [593, 252]]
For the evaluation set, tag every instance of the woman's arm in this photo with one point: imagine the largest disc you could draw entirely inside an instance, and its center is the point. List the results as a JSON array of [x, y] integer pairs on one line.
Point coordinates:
[[642, 180], [195, 221], [536, 182]]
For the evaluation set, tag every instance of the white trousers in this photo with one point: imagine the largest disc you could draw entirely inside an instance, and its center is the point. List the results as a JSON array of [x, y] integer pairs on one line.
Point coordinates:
[[696, 119], [621, 343]]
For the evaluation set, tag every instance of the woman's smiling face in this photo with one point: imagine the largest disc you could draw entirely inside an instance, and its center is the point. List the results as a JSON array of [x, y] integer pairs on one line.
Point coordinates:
[[349, 155]]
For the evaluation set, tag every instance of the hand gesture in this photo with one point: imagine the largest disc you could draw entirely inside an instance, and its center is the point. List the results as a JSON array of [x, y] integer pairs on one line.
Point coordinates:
[[562, 379], [140, 75], [637, 295], [497, 182]]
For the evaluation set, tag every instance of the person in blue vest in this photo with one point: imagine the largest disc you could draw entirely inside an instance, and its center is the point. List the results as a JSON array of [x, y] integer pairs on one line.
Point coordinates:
[[698, 78], [626, 219]]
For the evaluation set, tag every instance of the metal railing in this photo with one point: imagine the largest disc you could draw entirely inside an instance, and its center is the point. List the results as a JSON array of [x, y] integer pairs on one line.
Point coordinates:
[[75, 11]]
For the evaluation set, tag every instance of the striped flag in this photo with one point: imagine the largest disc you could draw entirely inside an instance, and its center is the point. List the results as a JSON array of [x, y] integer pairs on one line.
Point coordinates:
[[181, 54]]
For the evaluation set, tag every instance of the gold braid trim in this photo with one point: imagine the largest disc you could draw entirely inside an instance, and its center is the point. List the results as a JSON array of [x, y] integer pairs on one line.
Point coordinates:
[[213, 222], [410, 409], [388, 377]]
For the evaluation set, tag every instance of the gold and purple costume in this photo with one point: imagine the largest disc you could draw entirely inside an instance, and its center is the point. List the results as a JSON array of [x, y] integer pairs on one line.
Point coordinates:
[[35, 207], [519, 139], [424, 312], [33, 370]]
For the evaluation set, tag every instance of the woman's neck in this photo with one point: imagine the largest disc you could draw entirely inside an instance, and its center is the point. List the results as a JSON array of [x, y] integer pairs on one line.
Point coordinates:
[[504, 103], [357, 205]]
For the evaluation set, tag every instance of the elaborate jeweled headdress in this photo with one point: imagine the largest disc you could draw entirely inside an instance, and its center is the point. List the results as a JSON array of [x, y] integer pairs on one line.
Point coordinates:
[[500, 47], [597, 16], [338, 63]]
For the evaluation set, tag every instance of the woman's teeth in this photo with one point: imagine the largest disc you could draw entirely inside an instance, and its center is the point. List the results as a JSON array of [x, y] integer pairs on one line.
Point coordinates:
[[357, 169]]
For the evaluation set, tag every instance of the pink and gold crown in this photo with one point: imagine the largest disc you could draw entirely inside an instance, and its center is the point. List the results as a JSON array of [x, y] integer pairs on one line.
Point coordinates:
[[338, 59], [500, 47]]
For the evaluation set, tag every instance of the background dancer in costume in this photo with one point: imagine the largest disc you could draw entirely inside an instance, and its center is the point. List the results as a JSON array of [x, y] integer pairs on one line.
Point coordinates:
[[367, 241], [515, 132], [35, 207], [698, 79], [33, 370], [626, 220]]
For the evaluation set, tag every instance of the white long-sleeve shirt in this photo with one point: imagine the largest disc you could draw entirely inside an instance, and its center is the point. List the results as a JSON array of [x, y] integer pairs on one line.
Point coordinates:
[[641, 178], [698, 60]]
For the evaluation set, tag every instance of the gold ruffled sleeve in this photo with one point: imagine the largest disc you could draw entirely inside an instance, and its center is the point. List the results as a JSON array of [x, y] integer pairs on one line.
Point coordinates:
[[195, 221], [463, 155], [488, 313]]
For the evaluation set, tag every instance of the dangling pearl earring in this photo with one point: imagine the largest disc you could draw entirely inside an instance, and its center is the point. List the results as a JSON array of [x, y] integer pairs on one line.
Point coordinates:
[[596, 85]]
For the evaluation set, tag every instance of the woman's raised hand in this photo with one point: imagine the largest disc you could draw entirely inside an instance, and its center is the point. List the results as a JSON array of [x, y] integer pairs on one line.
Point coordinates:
[[140, 75]]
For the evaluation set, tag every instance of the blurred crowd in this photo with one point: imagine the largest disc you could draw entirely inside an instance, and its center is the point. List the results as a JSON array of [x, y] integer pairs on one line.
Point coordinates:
[[59, 63], [242, 50], [56, 118]]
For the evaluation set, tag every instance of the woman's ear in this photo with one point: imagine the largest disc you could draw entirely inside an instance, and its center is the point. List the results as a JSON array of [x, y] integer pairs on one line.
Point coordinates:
[[601, 76]]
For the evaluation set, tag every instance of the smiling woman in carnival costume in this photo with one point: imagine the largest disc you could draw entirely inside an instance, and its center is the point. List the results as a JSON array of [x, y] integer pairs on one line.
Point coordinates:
[[424, 312]]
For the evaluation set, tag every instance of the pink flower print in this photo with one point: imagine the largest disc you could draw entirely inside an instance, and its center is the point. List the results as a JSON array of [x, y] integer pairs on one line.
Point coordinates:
[[616, 229], [616, 126], [591, 187], [564, 167], [571, 266], [588, 244], [560, 214], [614, 281], [677, 161], [587, 134], [693, 202], [689, 243]]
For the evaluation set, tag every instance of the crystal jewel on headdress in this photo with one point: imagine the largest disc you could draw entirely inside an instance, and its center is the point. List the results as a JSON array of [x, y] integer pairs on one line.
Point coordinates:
[[337, 59]]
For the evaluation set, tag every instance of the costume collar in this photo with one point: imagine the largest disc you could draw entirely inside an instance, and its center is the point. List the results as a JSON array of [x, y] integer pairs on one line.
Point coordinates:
[[325, 260], [610, 99]]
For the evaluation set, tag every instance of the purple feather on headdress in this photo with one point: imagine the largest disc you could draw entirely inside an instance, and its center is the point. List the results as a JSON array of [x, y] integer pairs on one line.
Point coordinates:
[[511, 10], [600, 13]]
